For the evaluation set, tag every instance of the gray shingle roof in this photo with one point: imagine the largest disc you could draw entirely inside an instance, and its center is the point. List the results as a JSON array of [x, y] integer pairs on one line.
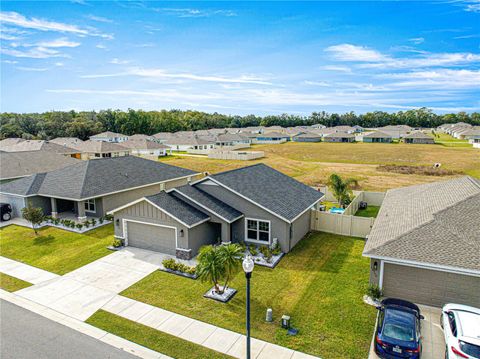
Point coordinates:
[[271, 189], [98, 177], [436, 223], [213, 204], [39, 145], [377, 134], [418, 134], [21, 164], [109, 134], [340, 135], [178, 208], [99, 147], [143, 144]]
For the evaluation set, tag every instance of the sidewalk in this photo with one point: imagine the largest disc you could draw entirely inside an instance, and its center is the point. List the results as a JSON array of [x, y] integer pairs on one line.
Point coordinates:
[[195, 331], [25, 272]]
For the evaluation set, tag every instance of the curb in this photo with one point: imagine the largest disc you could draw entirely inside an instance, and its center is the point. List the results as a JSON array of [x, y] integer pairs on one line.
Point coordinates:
[[84, 328]]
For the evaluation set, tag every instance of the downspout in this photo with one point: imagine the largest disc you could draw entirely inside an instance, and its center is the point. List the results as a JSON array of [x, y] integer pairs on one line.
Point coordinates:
[[290, 237]]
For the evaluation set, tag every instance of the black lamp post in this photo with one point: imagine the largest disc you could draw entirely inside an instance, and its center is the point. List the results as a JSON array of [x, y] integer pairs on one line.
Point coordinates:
[[248, 265]]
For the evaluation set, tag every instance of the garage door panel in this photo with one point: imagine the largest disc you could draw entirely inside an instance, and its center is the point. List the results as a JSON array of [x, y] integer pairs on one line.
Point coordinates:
[[430, 287], [151, 237]]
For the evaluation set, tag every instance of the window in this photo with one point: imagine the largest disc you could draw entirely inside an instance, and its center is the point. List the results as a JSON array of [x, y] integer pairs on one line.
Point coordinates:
[[90, 205], [257, 230]]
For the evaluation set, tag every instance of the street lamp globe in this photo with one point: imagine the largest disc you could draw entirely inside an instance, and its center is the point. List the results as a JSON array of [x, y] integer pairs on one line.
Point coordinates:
[[248, 264]]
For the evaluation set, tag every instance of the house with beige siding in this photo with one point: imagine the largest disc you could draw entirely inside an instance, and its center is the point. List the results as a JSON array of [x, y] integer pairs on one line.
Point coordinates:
[[92, 188], [418, 137], [425, 243], [255, 204], [91, 150]]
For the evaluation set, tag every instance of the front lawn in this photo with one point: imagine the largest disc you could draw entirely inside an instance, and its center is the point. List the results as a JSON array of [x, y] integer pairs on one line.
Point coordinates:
[[370, 211], [12, 284], [151, 338], [320, 284], [55, 250]]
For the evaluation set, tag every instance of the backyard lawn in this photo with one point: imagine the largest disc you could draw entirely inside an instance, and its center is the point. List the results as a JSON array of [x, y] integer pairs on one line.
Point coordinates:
[[320, 284], [55, 250], [370, 211], [148, 337], [312, 163], [12, 284]]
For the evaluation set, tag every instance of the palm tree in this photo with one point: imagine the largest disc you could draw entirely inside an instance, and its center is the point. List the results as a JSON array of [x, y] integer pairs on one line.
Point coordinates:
[[210, 267], [342, 188], [231, 256]]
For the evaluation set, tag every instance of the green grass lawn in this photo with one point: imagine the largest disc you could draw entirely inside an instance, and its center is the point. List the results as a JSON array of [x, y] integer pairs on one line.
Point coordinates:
[[319, 284], [55, 250], [370, 211], [446, 140], [12, 284], [148, 337]]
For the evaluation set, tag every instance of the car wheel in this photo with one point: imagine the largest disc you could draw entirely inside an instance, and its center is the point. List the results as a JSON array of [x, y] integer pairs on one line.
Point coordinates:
[[6, 217]]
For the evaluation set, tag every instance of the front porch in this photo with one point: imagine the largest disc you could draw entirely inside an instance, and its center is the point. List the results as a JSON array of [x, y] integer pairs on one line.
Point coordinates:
[[77, 211]]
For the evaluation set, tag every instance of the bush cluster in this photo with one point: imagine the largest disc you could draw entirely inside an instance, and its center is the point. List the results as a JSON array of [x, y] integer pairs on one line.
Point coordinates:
[[172, 264], [117, 243], [374, 291]]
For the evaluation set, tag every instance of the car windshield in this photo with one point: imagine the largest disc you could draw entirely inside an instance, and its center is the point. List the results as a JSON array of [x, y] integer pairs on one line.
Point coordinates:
[[398, 332], [470, 349]]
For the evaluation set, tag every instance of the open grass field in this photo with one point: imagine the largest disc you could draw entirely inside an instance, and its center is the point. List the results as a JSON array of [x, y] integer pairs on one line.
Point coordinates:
[[12, 284], [153, 339], [312, 163], [55, 250], [320, 284]]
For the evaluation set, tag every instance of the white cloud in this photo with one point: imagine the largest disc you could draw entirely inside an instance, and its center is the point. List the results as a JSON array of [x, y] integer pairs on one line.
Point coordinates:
[[116, 61], [99, 18], [100, 46], [190, 12], [34, 53], [34, 69], [473, 6], [316, 83], [153, 74], [63, 42], [417, 40], [436, 79], [16, 19], [337, 68], [10, 62], [349, 52]]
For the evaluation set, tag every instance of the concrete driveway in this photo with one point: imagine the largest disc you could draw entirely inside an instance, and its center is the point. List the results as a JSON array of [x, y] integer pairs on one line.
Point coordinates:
[[83, 291], [433, 339]]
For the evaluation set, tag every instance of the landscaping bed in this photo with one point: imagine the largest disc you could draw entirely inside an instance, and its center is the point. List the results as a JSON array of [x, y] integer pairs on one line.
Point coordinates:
[[55, 250], [320, 284], [72, 226]]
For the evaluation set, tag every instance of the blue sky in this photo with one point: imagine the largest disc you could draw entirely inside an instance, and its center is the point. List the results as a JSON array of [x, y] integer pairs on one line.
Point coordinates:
[[239, 58]]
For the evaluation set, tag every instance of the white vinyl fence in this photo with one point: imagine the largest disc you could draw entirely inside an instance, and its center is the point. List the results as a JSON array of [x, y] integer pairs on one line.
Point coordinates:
[[345, 225]]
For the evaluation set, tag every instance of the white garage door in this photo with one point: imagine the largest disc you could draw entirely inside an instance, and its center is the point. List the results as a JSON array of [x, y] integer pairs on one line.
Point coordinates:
[[430, 287], [151, 237]]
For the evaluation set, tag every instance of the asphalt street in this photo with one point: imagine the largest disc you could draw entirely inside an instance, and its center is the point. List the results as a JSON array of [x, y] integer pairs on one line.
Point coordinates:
[[26, 335]]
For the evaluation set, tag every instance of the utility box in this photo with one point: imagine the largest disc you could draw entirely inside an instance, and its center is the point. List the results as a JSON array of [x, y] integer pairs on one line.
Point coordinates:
[[269, 316], [285, 321]]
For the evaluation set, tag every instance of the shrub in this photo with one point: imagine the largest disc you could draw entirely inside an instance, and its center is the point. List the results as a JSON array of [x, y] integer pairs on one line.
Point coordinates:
[[79, 225], [33, 215], [117, 243], [108, 217], [93, 222], [374, 291], [253, 250], [86, 224], [265, 251], [172, 264], [56, 221], [101, 219]]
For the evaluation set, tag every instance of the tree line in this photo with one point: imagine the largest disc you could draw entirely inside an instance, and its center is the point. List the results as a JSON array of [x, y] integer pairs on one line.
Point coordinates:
[[83, 124]]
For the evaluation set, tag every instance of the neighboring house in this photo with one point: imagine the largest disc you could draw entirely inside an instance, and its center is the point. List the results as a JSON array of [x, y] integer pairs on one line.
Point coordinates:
[[396, 131], [162, 137], [9, 142], [66, 141], [254, 204], [347, 129], [15, 165], [232, 139], [339, 137], [307, 137], [99, 149], [425, 243], [92, 188], [138, 137], [44, 146], [145, 147], [271, 137], [189, 143], [109, 136], [471, 134], [377, 137], [418, 137]]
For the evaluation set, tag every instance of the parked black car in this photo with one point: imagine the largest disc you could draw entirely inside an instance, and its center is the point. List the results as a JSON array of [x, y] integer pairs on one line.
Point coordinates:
[[5, 211]]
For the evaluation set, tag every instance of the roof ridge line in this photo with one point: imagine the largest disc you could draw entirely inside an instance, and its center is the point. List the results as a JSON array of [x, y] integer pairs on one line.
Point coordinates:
[[237, 169]]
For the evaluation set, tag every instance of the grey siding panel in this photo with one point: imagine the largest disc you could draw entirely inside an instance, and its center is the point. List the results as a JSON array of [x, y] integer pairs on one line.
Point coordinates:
[[41, 202], [430, 287], [154, 238], [116, 200], [280, 229], [203, 234], [300, 227], [17, 204]]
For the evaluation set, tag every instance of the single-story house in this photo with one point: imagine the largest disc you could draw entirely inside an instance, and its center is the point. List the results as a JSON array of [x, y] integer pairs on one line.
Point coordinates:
[[90, 150], [66, 141], [347, 129], [254, 204], [145, 147], [92, 188], [307, 137], [139, 136], [15, 165], [109, 136], [232, 139], [189, 143], [339, 137], [396, 131], [10, 141], [162, 137], [42, 145], [418, 137], [377, 137], [271, 137], [425, 243]]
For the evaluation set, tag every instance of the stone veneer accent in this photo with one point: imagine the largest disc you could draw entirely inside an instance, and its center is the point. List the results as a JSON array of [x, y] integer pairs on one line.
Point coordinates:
[[182, 253]]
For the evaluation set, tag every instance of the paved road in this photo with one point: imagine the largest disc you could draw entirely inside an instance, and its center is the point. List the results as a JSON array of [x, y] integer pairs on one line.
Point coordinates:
[[26, 335]]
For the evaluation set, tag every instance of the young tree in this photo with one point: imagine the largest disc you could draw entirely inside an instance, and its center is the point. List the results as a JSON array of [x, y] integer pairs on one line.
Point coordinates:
[[231, 256], [34, 215], [342, 188]]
